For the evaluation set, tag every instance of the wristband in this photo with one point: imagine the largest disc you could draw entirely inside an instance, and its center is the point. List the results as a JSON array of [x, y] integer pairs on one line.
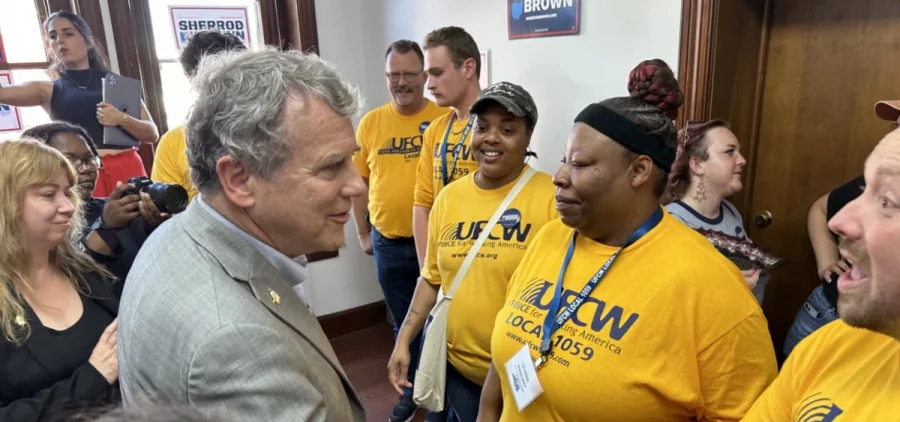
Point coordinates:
[[109, 237]]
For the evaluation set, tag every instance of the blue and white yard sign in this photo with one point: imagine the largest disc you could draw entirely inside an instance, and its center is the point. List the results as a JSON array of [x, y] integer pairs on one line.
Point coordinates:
[[543, 18]]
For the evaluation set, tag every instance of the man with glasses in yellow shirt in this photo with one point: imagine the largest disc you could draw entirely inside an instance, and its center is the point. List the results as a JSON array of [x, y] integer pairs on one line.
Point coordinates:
[[849, 370], [390, 140]]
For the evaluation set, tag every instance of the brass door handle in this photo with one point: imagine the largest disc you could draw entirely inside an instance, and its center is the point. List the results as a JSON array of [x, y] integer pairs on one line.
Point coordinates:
[[762, 218]]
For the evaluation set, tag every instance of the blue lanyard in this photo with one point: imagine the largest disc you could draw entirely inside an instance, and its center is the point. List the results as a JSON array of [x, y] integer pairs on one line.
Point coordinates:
[[552, 324], [456, 149]]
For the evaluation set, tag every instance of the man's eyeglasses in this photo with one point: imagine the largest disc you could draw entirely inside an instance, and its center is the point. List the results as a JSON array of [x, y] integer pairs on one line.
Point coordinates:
[[409, 77], [91, 162]]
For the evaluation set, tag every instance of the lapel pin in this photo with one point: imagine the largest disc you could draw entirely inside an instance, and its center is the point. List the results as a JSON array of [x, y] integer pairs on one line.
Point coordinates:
[[275, 298], [20, 320]]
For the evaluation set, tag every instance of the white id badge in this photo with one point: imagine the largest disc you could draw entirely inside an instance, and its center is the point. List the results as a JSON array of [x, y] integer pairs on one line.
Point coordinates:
[[522, 377]]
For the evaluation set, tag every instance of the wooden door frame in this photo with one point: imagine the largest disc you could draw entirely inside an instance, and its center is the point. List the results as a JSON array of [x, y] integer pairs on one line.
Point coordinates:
[[696, 64]]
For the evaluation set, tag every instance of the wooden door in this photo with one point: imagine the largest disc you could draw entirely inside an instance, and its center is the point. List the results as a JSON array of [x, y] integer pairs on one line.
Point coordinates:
[[798, 79]]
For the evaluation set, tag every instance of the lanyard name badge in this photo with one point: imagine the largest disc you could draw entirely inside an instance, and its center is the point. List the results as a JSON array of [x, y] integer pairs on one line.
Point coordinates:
[[445, 175], [552, 324], [521, 371]]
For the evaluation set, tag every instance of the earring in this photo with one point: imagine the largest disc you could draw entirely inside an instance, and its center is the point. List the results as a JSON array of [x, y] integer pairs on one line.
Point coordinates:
[[700, 191]]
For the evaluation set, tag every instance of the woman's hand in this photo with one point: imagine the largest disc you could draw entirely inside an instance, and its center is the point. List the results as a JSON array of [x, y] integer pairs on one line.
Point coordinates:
[[149, 213], [108, 115], [838, 268], [398, 367], [751, 277], [119, 211], [104, 357]]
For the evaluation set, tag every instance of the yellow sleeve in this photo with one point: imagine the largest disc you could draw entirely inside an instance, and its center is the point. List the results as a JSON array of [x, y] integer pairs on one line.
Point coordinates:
[[777, 402], [424, 194], [165, 164], [774, 405], [363, 138], [736, 369], [430, 271]]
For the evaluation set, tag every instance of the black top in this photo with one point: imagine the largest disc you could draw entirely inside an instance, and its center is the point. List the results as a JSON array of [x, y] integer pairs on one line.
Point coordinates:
[[837, 199], [128, 242], [49, 374], [79, 339], [74, 104]]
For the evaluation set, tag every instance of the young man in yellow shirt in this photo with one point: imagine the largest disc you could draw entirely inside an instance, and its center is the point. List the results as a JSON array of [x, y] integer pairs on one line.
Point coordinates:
[[170, 163], [453, 65], [849, 370], [390, 141]]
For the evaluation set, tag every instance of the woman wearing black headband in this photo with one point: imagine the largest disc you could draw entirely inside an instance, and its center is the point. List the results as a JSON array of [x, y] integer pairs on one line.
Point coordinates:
[[648, 321]]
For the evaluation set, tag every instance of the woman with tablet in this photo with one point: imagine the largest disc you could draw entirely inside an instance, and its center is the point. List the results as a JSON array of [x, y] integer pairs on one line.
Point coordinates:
[[75, 95]]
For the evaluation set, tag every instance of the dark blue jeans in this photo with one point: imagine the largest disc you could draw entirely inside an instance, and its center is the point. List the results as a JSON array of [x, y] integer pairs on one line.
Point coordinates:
[[463, 396], [398, 269], [815, 313]]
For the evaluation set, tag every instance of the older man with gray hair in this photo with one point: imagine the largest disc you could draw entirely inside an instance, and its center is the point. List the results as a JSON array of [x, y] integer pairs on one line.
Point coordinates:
[[208, 316]]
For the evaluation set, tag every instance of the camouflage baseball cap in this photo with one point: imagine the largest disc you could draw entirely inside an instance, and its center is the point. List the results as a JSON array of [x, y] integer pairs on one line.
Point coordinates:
[[515, 98]]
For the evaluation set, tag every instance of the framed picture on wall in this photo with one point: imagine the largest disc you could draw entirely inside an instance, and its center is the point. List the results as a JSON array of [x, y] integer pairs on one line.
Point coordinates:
[[485, 77], [542, 18], [2, 51], [187, 21], [10, 118]]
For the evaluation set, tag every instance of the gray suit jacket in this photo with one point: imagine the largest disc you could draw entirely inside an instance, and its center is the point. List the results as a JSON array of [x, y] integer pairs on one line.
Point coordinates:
[[206, 321]]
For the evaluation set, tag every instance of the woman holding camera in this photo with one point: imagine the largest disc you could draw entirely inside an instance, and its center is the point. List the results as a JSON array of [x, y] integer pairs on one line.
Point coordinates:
[[114, 227], [76, 95], [57, 308]]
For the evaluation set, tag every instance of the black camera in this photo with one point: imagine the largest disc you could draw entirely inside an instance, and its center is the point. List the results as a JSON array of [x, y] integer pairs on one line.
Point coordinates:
[[171, 199]]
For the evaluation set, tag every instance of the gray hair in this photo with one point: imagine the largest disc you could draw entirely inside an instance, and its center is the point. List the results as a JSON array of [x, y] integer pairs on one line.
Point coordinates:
[[239, 111]]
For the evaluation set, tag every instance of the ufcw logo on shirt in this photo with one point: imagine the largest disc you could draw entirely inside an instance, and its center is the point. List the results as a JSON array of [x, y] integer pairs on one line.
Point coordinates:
[[465, 151], [464, 230], [817, 408], [403, 146], [539, 293]]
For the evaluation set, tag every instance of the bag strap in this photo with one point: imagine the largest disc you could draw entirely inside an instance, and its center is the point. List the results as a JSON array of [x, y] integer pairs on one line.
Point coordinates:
[[464, 268]]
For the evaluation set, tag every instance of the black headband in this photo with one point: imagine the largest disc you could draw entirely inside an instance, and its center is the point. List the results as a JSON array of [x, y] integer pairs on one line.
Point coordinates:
[[628, 134]]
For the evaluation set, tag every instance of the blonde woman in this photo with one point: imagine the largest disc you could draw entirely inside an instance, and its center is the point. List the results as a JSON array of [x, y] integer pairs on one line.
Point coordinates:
[[57, 309]]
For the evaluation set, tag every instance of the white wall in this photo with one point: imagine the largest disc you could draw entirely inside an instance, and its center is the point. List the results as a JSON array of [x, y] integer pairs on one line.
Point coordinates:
[[345, 29], [563, 74]]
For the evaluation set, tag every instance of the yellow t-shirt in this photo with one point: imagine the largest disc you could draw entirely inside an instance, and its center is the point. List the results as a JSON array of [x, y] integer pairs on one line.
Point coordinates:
[[389, 151], [838, 373], [459, 214], [672, 333], [429, 178], [170, 164]]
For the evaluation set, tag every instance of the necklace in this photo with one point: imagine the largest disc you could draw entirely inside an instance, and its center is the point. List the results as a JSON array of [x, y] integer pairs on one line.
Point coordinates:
[[90, 76]]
